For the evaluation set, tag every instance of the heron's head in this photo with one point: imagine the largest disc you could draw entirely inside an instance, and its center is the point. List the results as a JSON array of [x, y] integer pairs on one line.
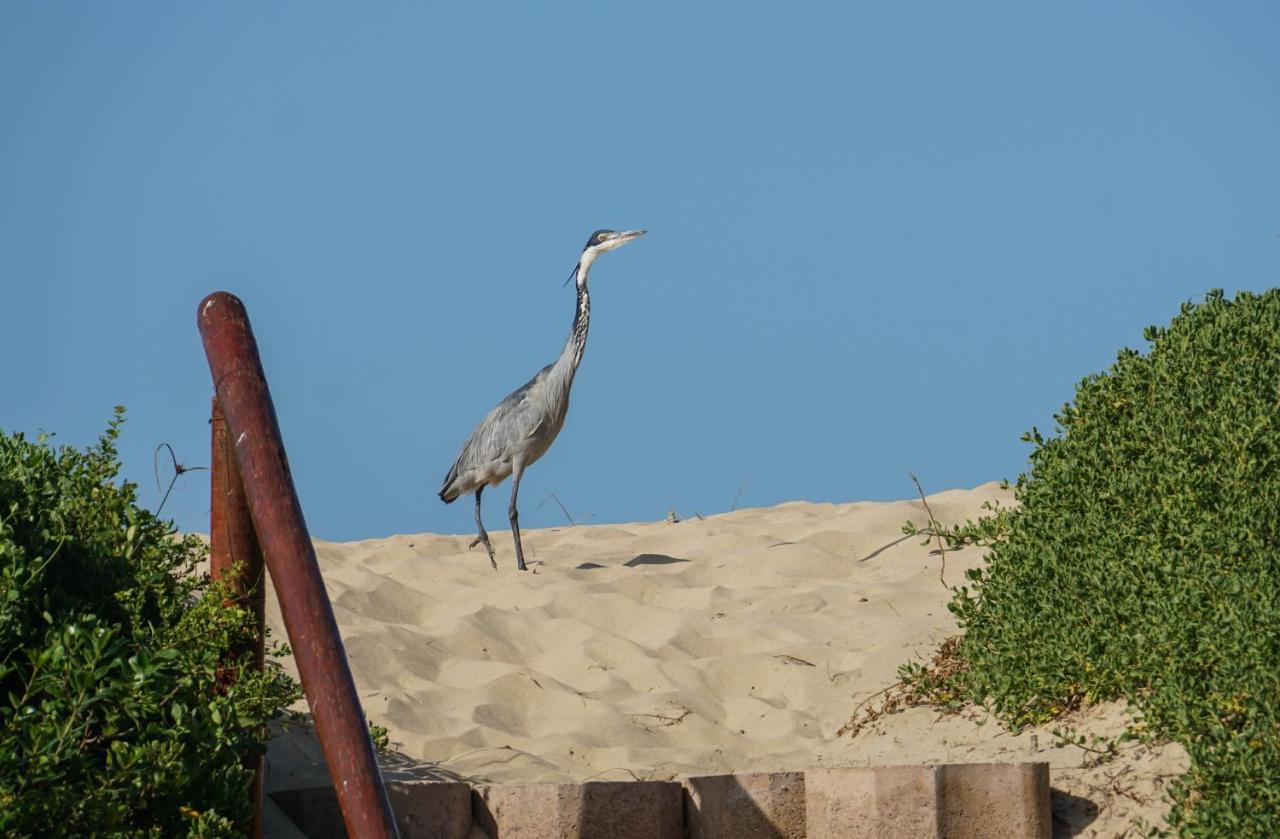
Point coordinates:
[[600, 242], [608, 240]]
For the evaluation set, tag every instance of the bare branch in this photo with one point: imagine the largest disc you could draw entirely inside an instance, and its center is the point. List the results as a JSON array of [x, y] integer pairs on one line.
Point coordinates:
[[935, 527], [178, 470], [572, 521]]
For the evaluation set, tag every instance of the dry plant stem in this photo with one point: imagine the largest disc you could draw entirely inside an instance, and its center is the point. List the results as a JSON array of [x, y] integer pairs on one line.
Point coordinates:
[[179, 470], [905, 693], [666, 719], [559, 503], [572, 521], [933, 526], [853, 724]]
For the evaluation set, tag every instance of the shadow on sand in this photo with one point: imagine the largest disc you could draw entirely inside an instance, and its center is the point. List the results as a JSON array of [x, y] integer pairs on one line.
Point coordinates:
[[652, 559], [1071, 813]]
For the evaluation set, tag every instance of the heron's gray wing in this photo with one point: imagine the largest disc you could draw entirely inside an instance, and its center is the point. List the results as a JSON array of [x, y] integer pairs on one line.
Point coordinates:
[[505, 429]]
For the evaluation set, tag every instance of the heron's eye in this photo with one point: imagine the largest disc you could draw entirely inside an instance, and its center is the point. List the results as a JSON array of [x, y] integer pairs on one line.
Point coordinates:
[[600, 237]]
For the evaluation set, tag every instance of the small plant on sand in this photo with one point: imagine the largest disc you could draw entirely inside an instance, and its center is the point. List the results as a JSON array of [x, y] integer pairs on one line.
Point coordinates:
[[933, 684], [1143, 561], [380, 737], [115, 714]]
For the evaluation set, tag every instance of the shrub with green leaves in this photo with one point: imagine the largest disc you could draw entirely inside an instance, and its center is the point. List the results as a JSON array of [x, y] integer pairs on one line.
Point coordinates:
[[113, 718], [1143, 561]]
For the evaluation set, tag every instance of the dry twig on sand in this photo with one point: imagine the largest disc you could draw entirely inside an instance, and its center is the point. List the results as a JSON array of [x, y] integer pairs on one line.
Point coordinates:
[[663, 720], [934, 528], [926, 687], [790, 659]]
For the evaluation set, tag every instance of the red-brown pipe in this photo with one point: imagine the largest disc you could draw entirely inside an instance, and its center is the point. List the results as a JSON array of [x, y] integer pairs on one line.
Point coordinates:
[[241, 388], [233, 546]]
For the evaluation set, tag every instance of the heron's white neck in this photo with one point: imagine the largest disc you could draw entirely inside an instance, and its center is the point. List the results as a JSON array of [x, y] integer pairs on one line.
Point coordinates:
[[562, 372], [584, 265], [571, 356], [581, 316]]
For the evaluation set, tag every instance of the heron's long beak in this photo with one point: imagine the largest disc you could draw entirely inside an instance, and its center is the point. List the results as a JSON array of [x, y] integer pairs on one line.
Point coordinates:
[[627, 235]]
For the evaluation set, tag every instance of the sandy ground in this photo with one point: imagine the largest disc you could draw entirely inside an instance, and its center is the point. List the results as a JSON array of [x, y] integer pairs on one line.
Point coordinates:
[[736, 642]]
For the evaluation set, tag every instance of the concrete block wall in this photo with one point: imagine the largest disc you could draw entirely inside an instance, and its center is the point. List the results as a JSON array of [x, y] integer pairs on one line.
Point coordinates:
[[614, 809], [757, 806], [439, 809], [953, 801]]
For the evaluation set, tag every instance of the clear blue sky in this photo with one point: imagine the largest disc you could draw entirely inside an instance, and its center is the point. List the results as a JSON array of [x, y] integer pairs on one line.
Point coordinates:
[[883, 238]]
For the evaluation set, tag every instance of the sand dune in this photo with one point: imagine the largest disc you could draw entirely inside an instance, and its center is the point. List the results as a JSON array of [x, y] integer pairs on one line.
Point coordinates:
[[735, 642]]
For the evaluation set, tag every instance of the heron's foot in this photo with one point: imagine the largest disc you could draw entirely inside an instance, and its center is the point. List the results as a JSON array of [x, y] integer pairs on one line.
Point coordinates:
[[484, 538]]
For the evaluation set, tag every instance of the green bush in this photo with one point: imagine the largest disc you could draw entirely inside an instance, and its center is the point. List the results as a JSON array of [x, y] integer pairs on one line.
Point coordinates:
[[1143, 561], [113, 719]]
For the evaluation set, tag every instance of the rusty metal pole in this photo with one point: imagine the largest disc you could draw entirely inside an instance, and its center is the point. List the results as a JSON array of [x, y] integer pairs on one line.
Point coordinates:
[[241, 388], [233, 546]]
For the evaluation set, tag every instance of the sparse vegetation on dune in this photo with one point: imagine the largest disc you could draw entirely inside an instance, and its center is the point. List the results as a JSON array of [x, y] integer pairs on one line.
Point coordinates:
[[116, 715], [1143, 561]]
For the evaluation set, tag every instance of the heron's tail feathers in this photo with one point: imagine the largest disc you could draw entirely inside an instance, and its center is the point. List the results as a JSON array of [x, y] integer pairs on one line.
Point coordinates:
[[449, 491]]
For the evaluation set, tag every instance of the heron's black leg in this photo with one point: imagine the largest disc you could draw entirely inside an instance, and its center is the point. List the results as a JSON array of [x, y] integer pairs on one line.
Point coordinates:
[[483, 537], [514, 514]]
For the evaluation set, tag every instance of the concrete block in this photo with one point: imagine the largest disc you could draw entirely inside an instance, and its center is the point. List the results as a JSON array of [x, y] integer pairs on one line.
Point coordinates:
[[422, 808], [594, 810], [878, 801], [955, 801], [995, 800], [750, 806], [431, 808]]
